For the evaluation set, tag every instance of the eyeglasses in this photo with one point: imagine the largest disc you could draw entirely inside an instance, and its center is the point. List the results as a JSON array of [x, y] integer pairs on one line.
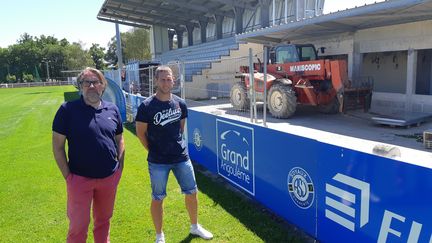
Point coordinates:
[[88, 83]]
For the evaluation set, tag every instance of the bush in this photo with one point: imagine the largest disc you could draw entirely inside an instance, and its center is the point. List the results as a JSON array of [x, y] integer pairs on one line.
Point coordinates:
[[28, 77], [11, 78]]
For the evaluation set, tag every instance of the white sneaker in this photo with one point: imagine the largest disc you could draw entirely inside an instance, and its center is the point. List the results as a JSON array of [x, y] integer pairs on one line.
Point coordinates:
[[160, 238], [201, 232]]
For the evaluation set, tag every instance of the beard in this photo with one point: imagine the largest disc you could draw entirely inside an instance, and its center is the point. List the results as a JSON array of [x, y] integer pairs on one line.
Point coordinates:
[[164, 90], [93, 96]]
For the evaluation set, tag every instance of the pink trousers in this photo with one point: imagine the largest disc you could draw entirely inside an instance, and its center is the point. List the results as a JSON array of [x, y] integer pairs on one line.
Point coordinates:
[[82, 192]]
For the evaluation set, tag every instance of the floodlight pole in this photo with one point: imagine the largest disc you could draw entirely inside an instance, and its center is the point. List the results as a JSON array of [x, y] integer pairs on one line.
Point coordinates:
[[47, 71], [119, 54], [47, 68]]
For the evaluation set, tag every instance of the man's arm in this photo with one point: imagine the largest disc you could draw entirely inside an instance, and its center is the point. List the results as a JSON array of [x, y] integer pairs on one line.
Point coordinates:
[[182, 125], [120, 149], [58, 147], [141, 132]]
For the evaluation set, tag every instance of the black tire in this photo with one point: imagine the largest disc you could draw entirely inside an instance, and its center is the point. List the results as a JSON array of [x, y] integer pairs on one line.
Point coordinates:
[[281, 101], [330, 108], [238, 97]]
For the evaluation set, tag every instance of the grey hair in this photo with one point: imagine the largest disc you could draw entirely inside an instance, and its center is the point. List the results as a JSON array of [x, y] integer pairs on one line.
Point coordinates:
[[98, 73]]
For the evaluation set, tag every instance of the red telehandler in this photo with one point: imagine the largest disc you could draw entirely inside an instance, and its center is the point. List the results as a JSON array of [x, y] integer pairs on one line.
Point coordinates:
[[295, 76]]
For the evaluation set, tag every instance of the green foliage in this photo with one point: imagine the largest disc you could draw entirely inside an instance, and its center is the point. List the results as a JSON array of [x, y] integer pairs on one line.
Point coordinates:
[[77, 58], [97, 54], [43, 51], [60, 55], [11, 78], [111, 54], [4, 66], [55, 55], [27, 77], [135, 46], [22, 57]]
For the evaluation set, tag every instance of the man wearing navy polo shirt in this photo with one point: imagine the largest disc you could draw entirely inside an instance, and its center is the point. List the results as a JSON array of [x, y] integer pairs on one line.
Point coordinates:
[[160, 124], [93, 166]]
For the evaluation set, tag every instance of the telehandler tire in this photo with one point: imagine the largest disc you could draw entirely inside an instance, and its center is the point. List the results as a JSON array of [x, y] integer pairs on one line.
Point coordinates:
[[281, 101], [239, 97]]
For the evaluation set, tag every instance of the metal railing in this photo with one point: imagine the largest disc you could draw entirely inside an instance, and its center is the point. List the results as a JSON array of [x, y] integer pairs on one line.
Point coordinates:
[[36, 84]]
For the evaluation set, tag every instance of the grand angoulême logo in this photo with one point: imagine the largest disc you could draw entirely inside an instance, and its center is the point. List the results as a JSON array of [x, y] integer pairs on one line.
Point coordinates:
[[235, 155], [301, 187]]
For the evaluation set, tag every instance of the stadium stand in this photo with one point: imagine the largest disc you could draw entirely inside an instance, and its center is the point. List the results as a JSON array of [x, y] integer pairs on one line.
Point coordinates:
[[200, 56]]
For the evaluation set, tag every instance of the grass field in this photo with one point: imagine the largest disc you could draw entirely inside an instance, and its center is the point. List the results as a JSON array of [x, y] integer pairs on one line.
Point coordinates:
[[33, 197]]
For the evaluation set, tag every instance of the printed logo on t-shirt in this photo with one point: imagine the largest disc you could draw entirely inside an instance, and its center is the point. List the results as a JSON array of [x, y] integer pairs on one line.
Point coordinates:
[[167, 116]]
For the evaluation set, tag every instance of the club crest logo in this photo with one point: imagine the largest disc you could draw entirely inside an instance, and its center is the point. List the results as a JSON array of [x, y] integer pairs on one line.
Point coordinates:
[[197, 139], [301, 187]]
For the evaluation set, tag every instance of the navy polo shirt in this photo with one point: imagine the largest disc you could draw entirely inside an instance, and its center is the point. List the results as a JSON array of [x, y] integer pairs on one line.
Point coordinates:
[[90, 134], [165, 141]]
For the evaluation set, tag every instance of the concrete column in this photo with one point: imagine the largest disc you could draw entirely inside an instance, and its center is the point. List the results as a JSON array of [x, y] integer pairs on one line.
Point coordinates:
[[411, 78], [299, 9], [238, 19], [219, 20], [190, 27], [203, 28], [265, 12], [171, 34], [355, 62], [179, 33], [159, 40], [430, 80], [119, 57]]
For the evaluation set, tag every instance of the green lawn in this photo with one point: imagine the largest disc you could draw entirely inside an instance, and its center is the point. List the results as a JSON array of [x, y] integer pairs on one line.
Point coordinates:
[[33, 198]]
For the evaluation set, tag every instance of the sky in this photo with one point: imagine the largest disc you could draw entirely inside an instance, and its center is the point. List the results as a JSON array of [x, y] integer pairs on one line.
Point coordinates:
[[76, 20]]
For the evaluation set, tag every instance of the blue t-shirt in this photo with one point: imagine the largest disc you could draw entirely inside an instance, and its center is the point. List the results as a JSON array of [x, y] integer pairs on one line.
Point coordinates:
[[90, 135], [165, 141]]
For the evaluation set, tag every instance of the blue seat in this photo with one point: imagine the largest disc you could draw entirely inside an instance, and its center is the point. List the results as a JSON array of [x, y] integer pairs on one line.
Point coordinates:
[[198, 57]]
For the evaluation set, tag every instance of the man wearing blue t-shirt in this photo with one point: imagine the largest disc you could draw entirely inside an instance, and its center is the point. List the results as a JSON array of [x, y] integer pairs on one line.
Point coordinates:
[[92, 168], [160, 122]]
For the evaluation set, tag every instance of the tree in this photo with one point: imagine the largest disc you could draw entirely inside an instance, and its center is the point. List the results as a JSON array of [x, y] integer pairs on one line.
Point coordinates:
[[31, 55], [77, 58], [111, 54], [25, 38], [137, 44], [97, 54], [64, 42], [55, 55], [46, 40], [4, 65], [22, 58]]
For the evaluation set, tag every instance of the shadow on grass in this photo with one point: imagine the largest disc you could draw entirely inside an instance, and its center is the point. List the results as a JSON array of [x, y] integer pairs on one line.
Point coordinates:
[[42, 92], [188, 239], [130, 127], [265, 224], [73, 95]]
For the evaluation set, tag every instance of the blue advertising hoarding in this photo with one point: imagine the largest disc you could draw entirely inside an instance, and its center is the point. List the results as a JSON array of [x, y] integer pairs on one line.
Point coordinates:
[[366, 198], [333, 193], [282, 183]]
